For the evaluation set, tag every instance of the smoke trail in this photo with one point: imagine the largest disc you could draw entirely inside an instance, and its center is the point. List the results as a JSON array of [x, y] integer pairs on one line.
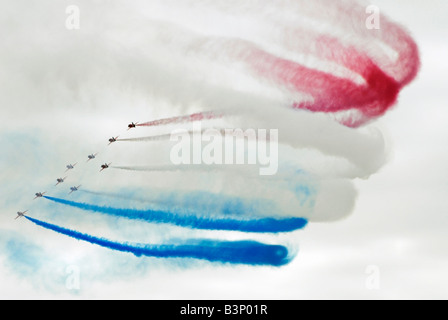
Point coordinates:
[[159, 168], [251, 172], [234, 252], [330, 93], [182, 119], [261, 225], [359, 72], [212, 204], [251, 135], [162, 137]]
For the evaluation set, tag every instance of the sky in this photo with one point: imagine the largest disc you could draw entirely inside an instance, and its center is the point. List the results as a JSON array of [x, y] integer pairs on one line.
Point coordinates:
[[376, 194]]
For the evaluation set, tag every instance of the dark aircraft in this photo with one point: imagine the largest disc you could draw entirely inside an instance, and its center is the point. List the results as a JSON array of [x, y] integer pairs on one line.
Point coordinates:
[[132, 125], [91, 156], [71, 166], [39, 195], [73, 189], [60, 180], [105, 166], [112, 140], [21, 214]]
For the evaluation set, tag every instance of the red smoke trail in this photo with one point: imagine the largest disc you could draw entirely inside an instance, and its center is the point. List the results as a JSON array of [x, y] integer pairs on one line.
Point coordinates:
[[382, 77], [332, 93], [357, 50], [182, 119]]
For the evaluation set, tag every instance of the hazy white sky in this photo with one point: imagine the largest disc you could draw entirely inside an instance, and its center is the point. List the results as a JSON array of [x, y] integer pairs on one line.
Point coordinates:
[[60, 102]]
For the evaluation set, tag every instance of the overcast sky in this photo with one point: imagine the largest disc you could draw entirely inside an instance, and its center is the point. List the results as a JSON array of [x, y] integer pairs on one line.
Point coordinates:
[[63, 95]]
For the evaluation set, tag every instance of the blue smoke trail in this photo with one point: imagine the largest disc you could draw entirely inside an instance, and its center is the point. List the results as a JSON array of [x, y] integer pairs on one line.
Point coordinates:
[[234, 252], [197, 202], [261, 225]]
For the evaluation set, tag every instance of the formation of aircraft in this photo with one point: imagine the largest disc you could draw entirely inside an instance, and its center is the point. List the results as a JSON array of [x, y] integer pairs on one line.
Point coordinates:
[[71, 167]]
